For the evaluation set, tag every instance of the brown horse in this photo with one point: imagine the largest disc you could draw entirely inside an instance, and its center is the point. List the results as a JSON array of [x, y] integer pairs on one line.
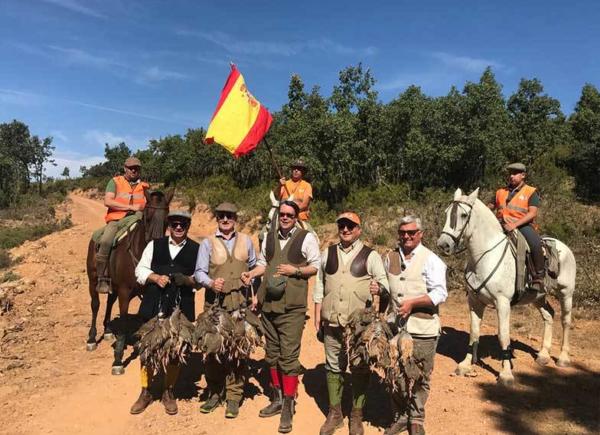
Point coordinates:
[[123, 260]]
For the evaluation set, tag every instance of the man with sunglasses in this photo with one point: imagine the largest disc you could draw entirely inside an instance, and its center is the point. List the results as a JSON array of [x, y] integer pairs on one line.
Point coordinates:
[[417, 280], [124, 195], [222, 258], [166, 270], [350, 273], [289, 256]]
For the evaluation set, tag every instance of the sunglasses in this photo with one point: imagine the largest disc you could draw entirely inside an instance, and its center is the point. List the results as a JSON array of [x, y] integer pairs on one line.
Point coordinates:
[[349, 225], [226, 215], [176, 224], [287, 215], [133, 168], [410, 233]]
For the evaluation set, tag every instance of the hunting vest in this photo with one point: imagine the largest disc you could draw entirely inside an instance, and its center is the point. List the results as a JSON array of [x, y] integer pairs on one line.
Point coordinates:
[[346, 285], [517, 207], [408, 283], [184, 262], [296, 289], [126, 194], [229, 267]]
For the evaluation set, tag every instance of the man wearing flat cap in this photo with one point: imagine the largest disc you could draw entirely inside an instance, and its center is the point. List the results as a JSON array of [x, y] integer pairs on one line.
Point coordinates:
[[222, 258], [289, 256], [516, 207], [349, 275], [166, 270], [124, 196], [297, 189]]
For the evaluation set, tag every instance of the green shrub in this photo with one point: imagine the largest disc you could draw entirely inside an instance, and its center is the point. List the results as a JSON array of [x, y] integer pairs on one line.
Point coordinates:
[[5, 259], [9, 276]]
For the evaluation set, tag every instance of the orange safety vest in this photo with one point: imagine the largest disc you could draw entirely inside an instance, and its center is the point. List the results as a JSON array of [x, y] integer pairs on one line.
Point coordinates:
[[298, 189], [126, 194], [518, 205]]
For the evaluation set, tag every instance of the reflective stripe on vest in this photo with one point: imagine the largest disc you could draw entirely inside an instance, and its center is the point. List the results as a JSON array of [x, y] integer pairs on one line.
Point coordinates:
[[125, 195], [518, 205]]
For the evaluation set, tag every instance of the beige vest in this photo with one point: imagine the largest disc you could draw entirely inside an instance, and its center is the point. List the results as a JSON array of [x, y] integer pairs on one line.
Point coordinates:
[[229, 267], [346, 285], [409, 284]]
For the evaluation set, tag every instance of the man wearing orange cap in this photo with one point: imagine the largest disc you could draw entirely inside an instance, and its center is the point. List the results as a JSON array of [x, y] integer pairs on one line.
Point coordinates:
[[124, 196], [350, 273]]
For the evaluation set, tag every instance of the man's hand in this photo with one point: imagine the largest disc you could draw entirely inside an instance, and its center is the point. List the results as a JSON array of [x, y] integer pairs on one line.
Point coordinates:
[[508, 226], [374, 288], [135, 207], [162, 280], [405, 309], [218, 284], [246, 278], [254, 304], [286, 270], [317, 318], [182, 280]]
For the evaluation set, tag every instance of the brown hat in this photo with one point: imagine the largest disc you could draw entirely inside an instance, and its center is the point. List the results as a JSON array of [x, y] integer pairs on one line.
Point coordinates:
[[179, 213], [226, 207], [349, 215], [516, 167], [299, 163], [133, 161]]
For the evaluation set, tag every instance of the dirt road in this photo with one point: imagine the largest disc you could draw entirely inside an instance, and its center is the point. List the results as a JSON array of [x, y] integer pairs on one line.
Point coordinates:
[[50, 384]]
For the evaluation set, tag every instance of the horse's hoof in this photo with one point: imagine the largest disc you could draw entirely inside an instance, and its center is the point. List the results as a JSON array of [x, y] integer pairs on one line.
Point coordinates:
[[91, 346], [108, 336], [542, 360], [462, 370], [117, 370], [563, 363], [506, 380]]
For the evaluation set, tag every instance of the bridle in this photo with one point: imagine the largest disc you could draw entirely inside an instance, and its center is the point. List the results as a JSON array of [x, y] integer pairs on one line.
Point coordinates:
[[453, 220]]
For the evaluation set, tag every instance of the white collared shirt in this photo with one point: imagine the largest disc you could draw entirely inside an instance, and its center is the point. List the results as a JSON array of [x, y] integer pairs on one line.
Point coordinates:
[[143, 269]]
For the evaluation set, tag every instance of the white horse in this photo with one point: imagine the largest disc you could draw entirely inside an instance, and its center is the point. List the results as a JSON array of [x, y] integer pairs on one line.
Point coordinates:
[[490, 275]]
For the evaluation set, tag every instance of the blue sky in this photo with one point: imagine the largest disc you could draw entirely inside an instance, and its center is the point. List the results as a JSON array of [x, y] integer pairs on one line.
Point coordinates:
[[89, 72]]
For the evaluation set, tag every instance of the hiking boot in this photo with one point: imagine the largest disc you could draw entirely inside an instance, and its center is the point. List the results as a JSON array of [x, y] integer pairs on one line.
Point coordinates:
[[274, 407], [537, 284], [233, 409], [211, 404], [355, 422], [168, 401], [142, 402], [287, 415], [400, 425], [103, 286], [416, 429], [334, 421]]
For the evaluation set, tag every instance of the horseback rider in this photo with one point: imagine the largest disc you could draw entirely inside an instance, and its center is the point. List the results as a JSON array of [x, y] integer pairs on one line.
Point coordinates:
[[298, 188], [349, 274], [222, 258], [516, 207], [124, 195], [166, 268]]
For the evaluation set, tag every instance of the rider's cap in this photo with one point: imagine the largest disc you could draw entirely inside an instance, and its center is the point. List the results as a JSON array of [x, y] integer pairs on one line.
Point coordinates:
[[180, 213], [349, 215], [517, 167], [299, 163], [226, 207], [133, 161]]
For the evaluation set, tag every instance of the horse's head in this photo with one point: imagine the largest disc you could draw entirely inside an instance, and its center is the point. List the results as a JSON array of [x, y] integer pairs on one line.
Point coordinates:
[[456, 228], [155, 213]]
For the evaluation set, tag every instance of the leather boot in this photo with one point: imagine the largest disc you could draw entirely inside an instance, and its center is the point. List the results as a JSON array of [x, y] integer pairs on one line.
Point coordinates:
[[355, 422], [103, 286], [274, 407], [334, 421], [287, 415], [142, 402], [537, 282], [169, 402]]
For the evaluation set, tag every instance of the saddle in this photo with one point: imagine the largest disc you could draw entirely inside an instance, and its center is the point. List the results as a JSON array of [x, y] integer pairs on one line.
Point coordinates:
[[521, 253], [126, 225]]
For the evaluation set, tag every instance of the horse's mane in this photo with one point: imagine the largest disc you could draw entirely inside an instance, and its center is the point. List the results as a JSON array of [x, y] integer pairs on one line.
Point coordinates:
[[487, 215]]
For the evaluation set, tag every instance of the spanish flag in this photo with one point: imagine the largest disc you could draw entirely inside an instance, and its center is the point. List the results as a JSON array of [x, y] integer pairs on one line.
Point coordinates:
[[240, 121]]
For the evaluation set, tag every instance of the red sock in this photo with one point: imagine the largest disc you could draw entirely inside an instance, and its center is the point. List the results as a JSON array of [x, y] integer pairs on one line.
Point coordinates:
[[290, 385], [275, 378]]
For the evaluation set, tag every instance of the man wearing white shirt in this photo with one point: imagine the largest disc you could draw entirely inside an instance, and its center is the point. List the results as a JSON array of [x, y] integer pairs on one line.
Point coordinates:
[[417, 279], [165, 269]]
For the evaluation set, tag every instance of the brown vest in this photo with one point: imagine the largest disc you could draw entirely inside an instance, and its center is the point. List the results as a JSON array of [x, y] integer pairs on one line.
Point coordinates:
[[346, 285], [296, 289], [229, 267]]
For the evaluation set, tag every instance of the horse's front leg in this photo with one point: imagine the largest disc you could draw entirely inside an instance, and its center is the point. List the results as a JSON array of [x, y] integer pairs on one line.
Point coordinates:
[[547, 313], [121, 333], [506, 377], [110, 301], [95, 305], [476, 309], [566, 306]]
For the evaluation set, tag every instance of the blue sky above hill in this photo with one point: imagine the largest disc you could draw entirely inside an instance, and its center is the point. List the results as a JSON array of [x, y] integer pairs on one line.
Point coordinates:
[[88, 72]]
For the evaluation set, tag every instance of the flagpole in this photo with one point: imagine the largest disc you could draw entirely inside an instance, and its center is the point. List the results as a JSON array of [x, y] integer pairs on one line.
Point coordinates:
[[275, 165]]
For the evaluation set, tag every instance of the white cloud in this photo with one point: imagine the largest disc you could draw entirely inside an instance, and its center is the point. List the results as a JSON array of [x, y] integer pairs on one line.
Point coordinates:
[[156, 74], [59, 135], [75, 56], [95, 138], [77, 7], [466, 63], [73, 161], [18, 98]]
